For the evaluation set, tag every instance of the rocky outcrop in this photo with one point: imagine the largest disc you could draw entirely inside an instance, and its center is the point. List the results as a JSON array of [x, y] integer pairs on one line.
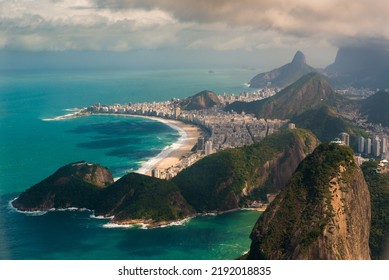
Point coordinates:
[[203, 100], [323, 212], [285, 75], [74, 185]]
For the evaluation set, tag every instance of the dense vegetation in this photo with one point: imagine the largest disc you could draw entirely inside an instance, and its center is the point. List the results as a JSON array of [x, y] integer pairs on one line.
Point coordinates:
[[227, 180], [137, 196], [301, 211], [379, 194], [74, 185], [217, 181]]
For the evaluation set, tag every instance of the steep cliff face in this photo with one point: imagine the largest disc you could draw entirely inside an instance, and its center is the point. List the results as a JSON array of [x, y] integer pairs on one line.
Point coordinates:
[[323, 212], [74, 185], [275, 174], [229, 179]]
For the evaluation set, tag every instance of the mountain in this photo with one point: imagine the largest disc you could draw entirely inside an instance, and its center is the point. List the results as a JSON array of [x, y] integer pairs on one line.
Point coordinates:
[[232, 178], [227, 180], [365, 67], [202, 100], [376, 107], [132, 199], [309, 92], [136, 198], [323, 212], [285, 75], [74, 185]]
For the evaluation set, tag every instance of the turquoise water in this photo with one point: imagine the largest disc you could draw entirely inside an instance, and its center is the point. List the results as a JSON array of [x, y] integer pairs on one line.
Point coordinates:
[[31, 149]]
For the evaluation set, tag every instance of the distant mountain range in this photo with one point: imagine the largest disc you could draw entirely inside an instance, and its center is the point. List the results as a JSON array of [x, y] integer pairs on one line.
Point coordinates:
[[285, 75], [358, 67]]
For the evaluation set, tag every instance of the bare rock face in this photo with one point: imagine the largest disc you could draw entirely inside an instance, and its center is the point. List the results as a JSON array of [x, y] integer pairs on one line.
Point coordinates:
[[323, 213]]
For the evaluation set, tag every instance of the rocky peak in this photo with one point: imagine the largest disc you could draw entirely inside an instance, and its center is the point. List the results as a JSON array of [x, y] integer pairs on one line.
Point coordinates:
[[323, 213], [299, 58]]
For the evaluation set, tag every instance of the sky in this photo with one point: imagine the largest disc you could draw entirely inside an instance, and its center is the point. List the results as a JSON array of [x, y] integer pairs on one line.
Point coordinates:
[[254, 33]]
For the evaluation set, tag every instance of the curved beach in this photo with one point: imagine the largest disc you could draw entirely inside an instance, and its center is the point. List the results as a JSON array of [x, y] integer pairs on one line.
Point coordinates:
[[168, 157], [172, 154]]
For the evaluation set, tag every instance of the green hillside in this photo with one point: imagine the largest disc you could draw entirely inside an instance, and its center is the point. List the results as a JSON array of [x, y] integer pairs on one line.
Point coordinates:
[[309, 92], [217, 181]]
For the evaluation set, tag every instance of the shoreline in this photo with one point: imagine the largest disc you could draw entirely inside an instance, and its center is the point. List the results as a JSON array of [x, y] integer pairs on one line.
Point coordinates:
[[131, 223], [171, 155]]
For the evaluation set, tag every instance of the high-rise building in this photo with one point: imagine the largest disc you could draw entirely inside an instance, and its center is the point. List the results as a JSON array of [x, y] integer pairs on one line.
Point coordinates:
[[200, 144], [177, 112], [384, 145], [208, 148], [368, 146], [376, 147], [361, 144], [345, 138], [156, 173]]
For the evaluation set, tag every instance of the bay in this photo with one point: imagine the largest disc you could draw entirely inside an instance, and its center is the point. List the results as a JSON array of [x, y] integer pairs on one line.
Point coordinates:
[[32, 149]]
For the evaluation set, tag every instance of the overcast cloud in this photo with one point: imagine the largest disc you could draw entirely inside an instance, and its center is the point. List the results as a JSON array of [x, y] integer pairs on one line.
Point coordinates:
[[222, 25]]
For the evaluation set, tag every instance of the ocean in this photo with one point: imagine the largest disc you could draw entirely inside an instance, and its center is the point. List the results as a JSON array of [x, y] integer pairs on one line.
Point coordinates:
[[32, 148]]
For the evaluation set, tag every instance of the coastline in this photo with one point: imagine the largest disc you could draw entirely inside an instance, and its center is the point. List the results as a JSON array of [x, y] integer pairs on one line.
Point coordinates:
[[170, 155]]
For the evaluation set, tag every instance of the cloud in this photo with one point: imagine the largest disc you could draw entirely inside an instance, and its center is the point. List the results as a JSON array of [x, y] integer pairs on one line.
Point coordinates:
[[222, 25], [78, 25], [300, 18]]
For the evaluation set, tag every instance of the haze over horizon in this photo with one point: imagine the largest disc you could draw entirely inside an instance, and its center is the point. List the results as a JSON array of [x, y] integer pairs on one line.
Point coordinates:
[[173, 33]]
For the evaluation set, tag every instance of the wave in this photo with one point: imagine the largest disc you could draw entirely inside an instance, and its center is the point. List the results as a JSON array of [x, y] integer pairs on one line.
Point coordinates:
[[147, 225], [28, 213], [77, 112], [112, 225], [149, 165], [40, 213]]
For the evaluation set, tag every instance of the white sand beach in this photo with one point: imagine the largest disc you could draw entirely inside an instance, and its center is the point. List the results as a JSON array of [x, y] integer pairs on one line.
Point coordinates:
[[171, 155]]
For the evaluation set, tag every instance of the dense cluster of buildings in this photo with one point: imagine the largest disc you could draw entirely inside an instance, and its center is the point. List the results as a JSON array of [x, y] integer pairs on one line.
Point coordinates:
[[355, 93], [376, 146], [229, 129], [247, 96], [223, 129]]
